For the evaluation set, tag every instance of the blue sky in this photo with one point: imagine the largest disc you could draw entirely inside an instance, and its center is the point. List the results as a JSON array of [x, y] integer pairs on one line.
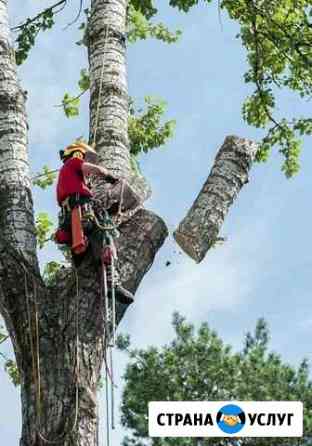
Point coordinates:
[[264, 268]]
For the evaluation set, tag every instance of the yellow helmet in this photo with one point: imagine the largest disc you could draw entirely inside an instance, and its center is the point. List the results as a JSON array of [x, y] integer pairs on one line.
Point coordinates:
[[81, 147]]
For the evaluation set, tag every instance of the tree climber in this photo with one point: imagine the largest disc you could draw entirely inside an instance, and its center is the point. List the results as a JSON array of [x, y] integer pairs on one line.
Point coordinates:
[[77, 221]]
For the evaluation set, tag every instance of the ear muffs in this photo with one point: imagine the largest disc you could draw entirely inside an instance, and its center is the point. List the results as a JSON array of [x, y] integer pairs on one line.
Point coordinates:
[[61, 153]]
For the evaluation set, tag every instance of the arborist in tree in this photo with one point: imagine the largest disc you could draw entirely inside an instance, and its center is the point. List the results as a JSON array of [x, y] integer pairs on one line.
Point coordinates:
[[78, 222]]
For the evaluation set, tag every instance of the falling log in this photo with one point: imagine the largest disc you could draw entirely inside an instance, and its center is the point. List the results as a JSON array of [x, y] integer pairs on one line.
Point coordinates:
[[199, 230]]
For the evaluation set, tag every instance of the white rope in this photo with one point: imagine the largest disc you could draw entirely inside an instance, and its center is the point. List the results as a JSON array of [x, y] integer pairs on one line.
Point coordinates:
[[112, 389], [97, 114]]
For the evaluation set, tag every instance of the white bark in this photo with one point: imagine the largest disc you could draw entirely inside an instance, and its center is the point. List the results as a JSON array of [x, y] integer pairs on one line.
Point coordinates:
[[16, 210], [199, 230], [106, 34], [109, 88]]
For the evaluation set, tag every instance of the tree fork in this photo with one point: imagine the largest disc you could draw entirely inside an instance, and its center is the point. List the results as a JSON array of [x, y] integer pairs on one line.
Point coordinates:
[[42, 320], [199, 230]]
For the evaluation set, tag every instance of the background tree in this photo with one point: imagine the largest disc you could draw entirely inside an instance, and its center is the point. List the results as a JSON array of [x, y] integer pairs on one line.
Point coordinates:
[[199, 366], [20, 278]]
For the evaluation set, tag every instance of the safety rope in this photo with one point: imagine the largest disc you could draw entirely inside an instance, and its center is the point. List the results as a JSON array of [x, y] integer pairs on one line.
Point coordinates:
[[120, 218], [109, 318], [97, 114], [123, 216], [35, 354]]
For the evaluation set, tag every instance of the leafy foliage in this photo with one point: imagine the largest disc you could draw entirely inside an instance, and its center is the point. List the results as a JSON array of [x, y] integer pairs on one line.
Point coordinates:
[[43, 228], [9, 365], [146, 7], [277, 36], [140, 28], [50, 271], [11, 368], [30, 29], [199, 366], [146, 132], [84, 81], [45, 178], [185, 5], [3, 335], [70, 103]]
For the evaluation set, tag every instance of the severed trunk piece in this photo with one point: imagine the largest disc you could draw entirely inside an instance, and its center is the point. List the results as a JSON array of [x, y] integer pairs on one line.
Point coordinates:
[[199, 230]]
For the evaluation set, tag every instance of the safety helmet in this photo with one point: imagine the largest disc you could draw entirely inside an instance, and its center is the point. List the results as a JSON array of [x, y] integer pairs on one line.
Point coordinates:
[[81, 147]]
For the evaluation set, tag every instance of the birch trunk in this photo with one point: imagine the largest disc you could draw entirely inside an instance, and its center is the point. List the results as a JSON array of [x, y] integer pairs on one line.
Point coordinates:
[[16, 206], [109, 100], [66, 351], [199, 230], [109, 118]]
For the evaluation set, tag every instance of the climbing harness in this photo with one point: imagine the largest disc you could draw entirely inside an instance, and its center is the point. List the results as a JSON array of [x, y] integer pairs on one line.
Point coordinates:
[[35, 354]]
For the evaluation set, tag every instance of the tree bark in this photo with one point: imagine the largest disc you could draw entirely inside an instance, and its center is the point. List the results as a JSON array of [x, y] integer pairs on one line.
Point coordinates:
[[17, 236], [109, 100], [107, 44], [199, 230], [57, 332]]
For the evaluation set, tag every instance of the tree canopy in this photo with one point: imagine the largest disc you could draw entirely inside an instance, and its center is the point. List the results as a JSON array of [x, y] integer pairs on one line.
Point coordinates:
[[198, 365]]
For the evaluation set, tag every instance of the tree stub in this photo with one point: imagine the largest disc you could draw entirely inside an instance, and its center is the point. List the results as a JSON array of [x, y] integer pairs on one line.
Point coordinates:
[[199, 230]]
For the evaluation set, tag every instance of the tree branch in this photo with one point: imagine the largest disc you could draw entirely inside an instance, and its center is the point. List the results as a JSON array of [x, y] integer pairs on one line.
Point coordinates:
[[41, 14], [18, 236]]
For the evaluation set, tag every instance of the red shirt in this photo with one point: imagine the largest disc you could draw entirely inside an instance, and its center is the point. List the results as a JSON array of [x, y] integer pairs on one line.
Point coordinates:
[[71, 180]]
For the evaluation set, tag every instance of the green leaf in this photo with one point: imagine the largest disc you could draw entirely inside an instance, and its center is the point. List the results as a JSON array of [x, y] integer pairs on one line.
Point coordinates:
[[140, 28], [84, 81], [29, 31], [185, 5], [45, 178], [71, 105], [43, 229], [146, 7], [50, 272], [11, 368], [146, 131]]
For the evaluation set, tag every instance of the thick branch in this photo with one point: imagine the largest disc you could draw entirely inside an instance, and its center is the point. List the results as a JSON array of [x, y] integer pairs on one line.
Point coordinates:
[[16, 207], [109, 101], [109, 118], [38, 16], [199, 230], [17, 242]]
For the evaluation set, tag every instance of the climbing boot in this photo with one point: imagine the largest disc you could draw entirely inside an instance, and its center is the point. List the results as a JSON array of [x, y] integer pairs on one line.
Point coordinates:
[[122, 295]]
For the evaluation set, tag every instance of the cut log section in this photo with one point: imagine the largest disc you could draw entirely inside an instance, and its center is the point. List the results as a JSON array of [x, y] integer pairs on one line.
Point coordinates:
[[199, 230]]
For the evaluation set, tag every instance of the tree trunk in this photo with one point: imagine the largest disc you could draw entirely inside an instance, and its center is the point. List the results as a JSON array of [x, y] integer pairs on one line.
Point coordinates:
[[199, 230], [16, 207], [109, 100], [57, 332], [107, 44]]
